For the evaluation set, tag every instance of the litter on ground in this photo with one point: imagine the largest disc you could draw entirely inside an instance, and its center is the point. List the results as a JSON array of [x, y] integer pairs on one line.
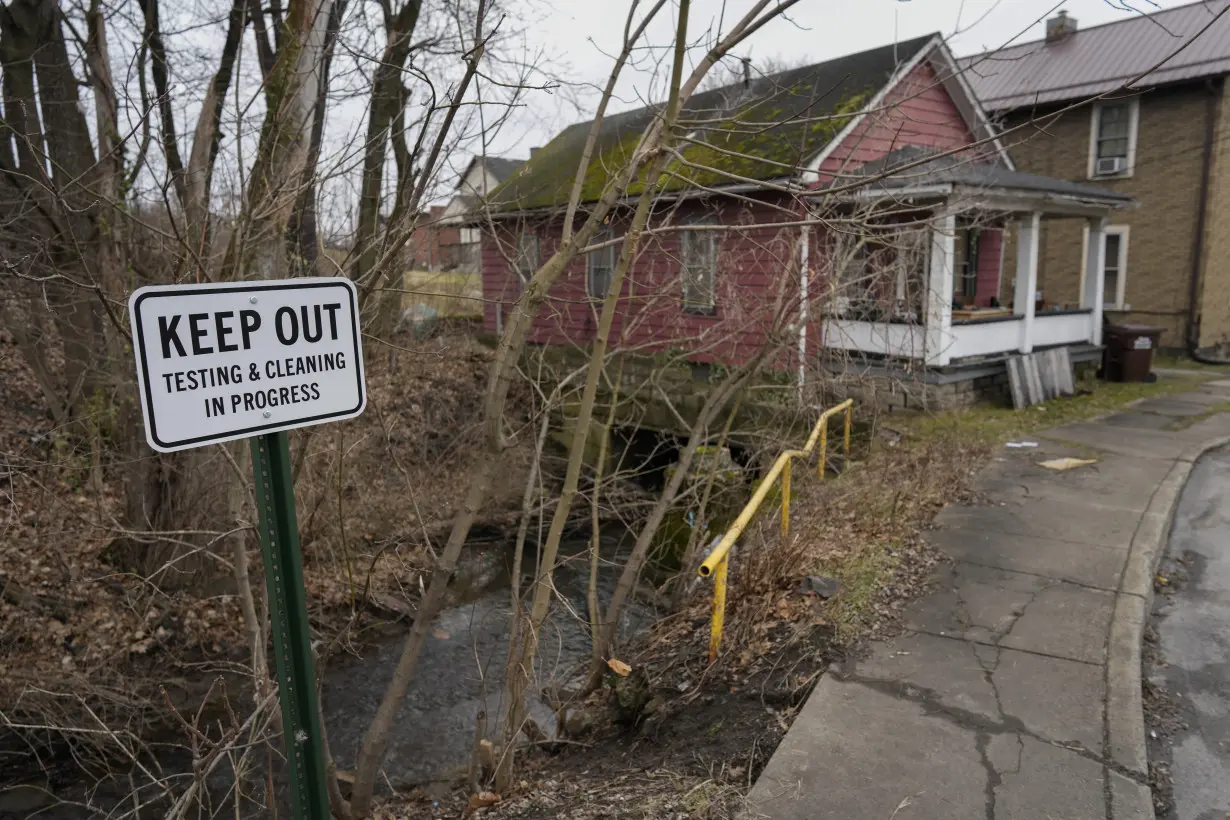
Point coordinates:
[[1066, 463]]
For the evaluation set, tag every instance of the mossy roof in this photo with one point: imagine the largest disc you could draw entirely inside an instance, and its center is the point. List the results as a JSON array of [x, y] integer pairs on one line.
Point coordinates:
[[775, 121]]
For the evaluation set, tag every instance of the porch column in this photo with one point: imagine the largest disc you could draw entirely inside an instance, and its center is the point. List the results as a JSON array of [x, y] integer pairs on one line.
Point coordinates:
[[1093, 295], [939, 289], [1029, 229]]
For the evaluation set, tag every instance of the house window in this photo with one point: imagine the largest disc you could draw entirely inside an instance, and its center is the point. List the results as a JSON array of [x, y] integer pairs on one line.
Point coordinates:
[[526, 262], [868, 279], [600, 265], [1112, 151], [699, 252], [967, 249], [1114, 267], [911, 252]]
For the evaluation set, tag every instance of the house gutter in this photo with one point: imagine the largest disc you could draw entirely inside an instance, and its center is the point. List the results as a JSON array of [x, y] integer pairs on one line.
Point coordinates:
[[1202, 213]]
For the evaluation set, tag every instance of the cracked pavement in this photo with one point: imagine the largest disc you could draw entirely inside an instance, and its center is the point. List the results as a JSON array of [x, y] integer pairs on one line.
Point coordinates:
[[1005, 697]]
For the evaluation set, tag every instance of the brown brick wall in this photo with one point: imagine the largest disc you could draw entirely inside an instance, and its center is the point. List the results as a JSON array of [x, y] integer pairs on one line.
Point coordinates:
[[1215, 285], [1165, 184]]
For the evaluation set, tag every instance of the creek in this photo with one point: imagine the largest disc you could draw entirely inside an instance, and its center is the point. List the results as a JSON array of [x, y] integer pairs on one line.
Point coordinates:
[[460, 674]]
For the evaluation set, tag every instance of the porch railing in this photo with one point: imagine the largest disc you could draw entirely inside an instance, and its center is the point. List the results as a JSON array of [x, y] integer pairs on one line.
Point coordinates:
[[717, 562]]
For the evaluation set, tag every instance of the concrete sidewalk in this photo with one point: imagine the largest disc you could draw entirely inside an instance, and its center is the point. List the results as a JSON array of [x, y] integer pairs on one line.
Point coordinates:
[[1015, 693]]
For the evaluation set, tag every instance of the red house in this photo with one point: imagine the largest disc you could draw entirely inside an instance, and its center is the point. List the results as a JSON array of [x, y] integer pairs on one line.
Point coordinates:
[[861, 207]]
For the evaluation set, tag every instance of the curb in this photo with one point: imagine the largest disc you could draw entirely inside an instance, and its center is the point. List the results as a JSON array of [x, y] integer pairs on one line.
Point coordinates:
[[1125, 717]]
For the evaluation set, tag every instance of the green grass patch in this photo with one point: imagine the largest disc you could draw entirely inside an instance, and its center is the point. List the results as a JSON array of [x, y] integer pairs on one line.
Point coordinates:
[[862, 576], [992, 425]]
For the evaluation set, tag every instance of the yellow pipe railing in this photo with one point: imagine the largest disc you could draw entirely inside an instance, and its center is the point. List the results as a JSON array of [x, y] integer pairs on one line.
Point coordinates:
[[716, 564]]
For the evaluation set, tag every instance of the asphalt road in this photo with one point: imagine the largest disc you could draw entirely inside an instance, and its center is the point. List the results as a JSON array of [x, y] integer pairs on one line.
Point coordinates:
[[1192, 619]]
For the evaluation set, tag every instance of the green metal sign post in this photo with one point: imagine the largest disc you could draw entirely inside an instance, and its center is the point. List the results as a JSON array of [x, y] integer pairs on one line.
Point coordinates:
[[292, 642], [224, 361]]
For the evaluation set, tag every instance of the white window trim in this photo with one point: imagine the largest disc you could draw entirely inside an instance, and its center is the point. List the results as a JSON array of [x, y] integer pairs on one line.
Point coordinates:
[[1133, 126], [1124, 233]]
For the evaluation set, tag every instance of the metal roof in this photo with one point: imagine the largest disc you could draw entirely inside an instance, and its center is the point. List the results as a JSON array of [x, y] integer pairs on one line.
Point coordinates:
[[959, 170], [1101, 59]]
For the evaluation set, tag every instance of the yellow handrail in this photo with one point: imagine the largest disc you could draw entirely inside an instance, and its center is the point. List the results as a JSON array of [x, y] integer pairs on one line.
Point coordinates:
[[716, 563]]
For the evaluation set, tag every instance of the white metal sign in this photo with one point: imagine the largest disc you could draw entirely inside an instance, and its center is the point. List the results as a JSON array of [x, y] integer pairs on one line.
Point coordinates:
[[218, 362]]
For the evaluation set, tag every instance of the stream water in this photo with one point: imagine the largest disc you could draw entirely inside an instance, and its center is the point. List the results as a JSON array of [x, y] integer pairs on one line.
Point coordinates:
[[460, 673]]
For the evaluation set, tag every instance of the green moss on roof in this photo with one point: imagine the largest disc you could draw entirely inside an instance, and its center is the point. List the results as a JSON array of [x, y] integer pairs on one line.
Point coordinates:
[[782, 119], [763, 150]]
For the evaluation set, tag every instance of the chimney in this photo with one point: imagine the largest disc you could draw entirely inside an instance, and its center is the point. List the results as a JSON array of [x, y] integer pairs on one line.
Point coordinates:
[[1059, 27], [534, 151]]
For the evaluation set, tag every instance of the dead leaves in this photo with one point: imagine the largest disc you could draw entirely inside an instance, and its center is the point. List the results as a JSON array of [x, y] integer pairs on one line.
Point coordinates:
[[481, 801], [619, 667]]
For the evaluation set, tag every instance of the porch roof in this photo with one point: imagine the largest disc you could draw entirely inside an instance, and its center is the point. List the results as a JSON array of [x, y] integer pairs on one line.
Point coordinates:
[[992, 185]]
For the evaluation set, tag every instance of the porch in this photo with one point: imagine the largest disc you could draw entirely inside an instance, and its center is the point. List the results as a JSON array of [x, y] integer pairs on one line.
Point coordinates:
[[940, 313]]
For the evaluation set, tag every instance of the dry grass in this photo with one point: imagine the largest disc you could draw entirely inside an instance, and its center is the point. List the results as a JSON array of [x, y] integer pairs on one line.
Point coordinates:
[[454, 295], [376, 492]]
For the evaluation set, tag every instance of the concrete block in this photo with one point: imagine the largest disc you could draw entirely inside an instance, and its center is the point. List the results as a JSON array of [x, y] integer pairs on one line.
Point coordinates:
[[1049, 782], [883, 756], [1058, 700], [1093, 566]]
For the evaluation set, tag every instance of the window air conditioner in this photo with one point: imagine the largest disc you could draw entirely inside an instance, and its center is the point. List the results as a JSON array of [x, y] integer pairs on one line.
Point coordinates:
[[1110, 165]]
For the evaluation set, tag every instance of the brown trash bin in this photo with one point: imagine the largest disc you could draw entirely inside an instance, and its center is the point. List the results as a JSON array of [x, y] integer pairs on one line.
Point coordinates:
[[1129, 352]]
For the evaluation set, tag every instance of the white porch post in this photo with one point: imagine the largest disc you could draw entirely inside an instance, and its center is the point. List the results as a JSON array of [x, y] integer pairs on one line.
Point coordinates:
[[1093, 295], [939, 289], [1029, 229]]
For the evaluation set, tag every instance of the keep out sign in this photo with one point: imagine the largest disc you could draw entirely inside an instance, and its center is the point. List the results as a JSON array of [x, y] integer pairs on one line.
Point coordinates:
[[218, 362]]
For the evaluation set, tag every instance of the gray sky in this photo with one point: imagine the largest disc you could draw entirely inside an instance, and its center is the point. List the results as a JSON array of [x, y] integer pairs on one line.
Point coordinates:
[[583, 34]]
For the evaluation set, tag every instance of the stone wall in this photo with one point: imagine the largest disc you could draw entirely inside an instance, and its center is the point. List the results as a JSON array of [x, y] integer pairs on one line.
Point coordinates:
[[887, 392]]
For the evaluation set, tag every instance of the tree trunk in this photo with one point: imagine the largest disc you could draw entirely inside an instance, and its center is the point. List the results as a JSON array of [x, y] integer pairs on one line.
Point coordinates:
[[258, 248], [388, 100]]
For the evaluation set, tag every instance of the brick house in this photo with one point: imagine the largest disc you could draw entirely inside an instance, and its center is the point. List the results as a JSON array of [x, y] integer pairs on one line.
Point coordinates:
[[441, 240], [1120, 105], [889, 157]]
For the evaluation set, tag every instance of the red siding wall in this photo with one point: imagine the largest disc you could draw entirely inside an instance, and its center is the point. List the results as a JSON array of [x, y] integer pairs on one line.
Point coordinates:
[[990, 247], [917, 112], [757, 282]]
